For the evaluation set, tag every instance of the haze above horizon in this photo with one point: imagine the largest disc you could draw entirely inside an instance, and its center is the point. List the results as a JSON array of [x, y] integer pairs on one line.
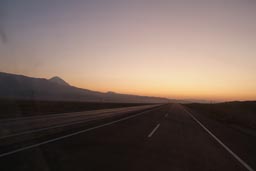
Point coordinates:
[[190, 49]]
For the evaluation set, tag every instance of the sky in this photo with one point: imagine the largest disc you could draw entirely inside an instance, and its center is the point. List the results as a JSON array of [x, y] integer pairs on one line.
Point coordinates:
[[186, 49]]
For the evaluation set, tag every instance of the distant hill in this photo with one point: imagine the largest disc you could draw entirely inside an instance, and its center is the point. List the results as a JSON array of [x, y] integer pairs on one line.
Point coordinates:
[[22, 87]]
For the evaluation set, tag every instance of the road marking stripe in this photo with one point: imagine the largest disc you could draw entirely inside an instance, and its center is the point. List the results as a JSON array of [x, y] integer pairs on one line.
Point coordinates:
[[63, 125], [79, 113], [48, 128], [73, 134], [153, 131], [220, 142]]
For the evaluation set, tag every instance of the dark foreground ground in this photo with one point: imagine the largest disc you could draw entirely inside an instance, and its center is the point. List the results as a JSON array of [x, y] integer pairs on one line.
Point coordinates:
[[165, 138], [20, 108], [234, 123], [241, 114]]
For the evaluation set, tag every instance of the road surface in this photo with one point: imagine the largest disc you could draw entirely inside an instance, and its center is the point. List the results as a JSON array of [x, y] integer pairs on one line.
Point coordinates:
[[162, 138], [25, 125]]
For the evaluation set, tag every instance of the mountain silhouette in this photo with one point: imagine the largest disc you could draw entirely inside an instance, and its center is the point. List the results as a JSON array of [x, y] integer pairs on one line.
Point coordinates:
[[58, 80], [14, 86]]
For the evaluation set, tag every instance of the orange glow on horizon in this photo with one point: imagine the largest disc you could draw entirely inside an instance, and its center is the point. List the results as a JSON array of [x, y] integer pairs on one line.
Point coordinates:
[[169, 49]]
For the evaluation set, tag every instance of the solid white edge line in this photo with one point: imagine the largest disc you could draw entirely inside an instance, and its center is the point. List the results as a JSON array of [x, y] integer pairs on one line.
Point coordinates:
[[60, 125], [65, 113], [48, 128], [153, 131], [72, 134], [241, 161]]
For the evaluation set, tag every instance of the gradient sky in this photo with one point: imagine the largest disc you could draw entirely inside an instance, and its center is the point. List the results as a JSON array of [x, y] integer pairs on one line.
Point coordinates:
[[200, 49]]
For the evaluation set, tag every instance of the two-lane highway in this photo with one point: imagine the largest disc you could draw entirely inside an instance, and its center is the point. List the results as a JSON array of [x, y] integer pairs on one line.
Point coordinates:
[[165, 138]]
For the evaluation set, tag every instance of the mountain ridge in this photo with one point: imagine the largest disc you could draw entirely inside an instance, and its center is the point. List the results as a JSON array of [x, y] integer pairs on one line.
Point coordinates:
[[13, 86]]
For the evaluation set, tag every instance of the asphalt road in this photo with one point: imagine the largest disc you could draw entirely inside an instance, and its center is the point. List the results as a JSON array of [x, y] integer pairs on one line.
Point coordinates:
[[26, 125], [165, 138]]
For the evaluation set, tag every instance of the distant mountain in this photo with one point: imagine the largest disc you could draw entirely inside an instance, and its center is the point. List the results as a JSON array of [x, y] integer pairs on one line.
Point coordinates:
[[58, 80], [22, 87]]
